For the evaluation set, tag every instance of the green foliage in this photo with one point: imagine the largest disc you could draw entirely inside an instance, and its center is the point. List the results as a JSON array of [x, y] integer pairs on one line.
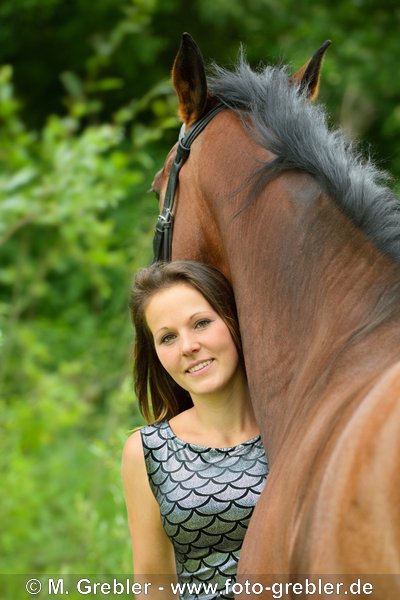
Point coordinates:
[[86, 116], [75, 224]]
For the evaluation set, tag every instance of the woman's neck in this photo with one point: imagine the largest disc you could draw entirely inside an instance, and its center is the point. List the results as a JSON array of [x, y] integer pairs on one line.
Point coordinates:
[[220, 420]]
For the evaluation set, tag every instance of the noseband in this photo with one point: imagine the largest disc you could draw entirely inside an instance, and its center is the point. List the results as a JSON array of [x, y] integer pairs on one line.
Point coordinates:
[[162, 241]]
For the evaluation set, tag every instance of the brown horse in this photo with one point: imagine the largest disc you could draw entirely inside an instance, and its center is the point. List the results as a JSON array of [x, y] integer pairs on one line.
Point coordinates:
[[310, 237]]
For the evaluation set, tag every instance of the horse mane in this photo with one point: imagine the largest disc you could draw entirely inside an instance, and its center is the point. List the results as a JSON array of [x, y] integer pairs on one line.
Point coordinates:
[[296, 132]]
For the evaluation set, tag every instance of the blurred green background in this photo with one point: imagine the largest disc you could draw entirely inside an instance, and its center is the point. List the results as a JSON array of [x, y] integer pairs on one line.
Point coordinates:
[[86, 116]]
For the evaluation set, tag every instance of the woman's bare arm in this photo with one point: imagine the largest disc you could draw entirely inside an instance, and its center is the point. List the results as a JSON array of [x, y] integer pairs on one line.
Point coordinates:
[[153, 554]]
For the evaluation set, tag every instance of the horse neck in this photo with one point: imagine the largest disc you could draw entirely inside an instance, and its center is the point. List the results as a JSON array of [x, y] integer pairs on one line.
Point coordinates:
[[317, 303]]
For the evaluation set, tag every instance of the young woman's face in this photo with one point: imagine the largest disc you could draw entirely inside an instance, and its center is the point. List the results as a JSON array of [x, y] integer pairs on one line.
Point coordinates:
[[192, 342]]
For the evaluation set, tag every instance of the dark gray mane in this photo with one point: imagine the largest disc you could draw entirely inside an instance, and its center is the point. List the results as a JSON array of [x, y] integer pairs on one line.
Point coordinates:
[[296, 131]]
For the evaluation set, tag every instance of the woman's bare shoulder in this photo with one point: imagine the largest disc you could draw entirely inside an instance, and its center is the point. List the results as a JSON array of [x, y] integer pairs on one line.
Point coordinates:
[[133, 463], [133, 448]]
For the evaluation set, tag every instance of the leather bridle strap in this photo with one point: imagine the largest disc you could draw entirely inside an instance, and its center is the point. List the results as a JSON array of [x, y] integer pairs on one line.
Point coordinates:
[[162, 242]]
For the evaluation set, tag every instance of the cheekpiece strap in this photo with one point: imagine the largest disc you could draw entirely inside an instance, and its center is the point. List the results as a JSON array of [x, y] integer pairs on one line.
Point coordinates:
[[162, 242]]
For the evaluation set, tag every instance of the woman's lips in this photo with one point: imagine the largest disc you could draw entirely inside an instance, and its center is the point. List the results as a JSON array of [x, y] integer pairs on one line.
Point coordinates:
[[200, 366]]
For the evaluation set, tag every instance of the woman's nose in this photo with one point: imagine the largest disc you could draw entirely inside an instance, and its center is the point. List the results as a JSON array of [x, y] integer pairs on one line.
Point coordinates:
[[189, 345]]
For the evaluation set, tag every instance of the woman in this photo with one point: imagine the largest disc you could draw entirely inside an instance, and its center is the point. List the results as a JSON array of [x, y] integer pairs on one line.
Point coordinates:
[[201, 465]]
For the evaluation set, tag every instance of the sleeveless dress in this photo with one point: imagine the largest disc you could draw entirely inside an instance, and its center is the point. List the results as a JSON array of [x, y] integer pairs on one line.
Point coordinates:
[[206, 498]]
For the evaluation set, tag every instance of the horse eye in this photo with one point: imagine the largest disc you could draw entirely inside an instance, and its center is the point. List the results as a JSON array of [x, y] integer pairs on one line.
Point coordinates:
[[156, 192]]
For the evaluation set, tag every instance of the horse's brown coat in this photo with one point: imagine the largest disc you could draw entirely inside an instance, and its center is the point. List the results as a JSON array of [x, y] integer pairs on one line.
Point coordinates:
[[319, 310]]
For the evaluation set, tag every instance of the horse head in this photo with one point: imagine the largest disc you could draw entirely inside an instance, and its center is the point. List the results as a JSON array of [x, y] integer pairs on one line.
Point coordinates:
[[197, 235]]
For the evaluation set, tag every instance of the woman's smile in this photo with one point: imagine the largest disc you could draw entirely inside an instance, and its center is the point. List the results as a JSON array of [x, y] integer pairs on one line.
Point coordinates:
[[200, 367], [192, 342]]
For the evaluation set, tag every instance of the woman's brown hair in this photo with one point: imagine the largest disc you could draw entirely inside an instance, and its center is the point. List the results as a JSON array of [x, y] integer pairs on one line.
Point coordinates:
[[158, 395]]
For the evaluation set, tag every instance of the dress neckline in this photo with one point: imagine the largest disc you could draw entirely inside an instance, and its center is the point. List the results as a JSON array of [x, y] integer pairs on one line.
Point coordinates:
[[216, 448]]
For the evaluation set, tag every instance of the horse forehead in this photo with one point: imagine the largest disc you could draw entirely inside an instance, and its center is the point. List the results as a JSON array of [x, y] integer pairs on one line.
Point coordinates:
[[217, 133], [226, 127]]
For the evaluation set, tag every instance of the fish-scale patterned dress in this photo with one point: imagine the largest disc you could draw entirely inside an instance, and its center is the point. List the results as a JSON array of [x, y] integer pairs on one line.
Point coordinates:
[[206, 498]]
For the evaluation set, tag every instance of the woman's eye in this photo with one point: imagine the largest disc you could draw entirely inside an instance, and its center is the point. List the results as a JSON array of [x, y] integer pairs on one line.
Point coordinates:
[[166, 339], [202, 323]]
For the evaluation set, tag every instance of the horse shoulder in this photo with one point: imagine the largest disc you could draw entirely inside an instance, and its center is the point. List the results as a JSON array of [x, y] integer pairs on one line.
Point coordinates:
[[358, 505]]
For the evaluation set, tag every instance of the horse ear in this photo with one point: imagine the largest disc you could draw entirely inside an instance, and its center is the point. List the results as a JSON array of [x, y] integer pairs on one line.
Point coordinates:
[[308, 76], [189, 77]]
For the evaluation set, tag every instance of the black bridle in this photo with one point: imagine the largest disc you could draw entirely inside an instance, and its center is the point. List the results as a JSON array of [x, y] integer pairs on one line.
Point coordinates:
[[162, 241]]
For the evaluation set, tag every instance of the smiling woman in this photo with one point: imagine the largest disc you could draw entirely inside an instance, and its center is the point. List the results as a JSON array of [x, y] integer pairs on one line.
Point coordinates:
[[194, 344], [191, 478]]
